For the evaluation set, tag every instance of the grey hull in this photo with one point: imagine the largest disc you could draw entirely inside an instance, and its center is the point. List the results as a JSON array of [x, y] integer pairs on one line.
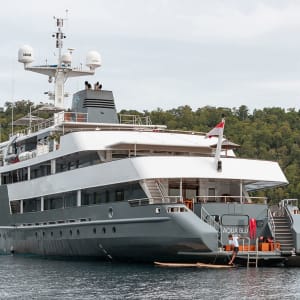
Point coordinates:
[[125, 236]]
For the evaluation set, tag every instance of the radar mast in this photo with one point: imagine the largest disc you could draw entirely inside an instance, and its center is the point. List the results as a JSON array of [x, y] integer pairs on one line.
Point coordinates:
[[63, 70]]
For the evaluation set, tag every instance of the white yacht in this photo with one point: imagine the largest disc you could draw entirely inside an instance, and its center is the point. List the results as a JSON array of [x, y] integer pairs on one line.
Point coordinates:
[[91, 183]]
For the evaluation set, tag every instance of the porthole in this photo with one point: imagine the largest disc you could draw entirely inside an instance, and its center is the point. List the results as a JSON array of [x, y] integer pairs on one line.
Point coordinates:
[[43, 233], [157, 210], [36, 234], [95, 230], [103, 230], [71, 232], [110, 212], [60, 233], [78, 232], [114, 229], [51, 233]]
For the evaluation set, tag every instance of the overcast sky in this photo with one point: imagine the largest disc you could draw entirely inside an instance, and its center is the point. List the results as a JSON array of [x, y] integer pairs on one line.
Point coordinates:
[[162, 53]]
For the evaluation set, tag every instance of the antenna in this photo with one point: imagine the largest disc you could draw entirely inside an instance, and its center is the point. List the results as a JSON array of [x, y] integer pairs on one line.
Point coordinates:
[[63, 70], [59, 35]]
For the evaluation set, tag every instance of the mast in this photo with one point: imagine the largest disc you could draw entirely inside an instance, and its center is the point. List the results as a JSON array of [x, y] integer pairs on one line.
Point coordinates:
[[59, 76], [63, 69]]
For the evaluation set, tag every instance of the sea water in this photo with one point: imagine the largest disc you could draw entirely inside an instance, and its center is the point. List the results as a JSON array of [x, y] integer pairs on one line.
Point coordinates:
[[23, 277]]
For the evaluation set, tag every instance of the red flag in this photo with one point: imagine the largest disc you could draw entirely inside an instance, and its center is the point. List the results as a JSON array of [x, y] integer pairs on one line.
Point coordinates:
[[216, 131]]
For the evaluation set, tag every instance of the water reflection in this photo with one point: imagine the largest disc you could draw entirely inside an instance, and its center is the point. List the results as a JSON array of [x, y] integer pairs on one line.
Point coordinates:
[[35, 278]]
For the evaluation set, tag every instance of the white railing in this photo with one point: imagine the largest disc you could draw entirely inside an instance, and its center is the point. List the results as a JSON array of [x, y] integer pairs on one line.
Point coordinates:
[[209, 219], [271, 223], [289, 202], [155, 200], [134, 120], [36, 127], [229, 199]]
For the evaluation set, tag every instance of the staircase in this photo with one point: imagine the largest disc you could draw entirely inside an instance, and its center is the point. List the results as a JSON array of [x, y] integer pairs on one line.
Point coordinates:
[[283, 233], [154, 190]]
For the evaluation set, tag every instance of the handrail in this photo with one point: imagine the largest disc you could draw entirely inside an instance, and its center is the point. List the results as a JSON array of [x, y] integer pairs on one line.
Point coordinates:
[[287, 202], [155, 200], [134, 119], [36, 127], [288, 213], [271, 224], [161, 188], [209, 219], [206, 217], [229, 199]]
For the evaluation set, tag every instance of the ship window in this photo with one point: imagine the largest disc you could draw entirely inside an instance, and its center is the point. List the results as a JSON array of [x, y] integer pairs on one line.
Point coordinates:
[[31, 205], [15, 206], [103, 230], [94, 230], [119, 192], [119, 195], [71, 232], [119, 154], [70, 199], [40, 170], [78, 232], [77, 160], [211, 195], [174, 191], [176, 209], [114, 229], [60, 233], [53, 202]]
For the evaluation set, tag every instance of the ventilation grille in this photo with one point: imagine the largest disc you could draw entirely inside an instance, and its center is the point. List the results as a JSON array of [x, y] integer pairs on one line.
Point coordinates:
[[100, 103]]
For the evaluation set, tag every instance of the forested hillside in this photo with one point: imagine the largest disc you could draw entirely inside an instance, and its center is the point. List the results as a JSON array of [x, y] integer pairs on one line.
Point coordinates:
[[269, 133]]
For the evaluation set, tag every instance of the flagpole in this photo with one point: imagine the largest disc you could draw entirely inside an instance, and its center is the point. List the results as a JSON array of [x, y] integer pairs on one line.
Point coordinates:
[[219, 148]]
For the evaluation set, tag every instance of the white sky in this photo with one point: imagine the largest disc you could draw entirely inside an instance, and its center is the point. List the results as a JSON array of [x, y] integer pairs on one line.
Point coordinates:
[[162, 53]]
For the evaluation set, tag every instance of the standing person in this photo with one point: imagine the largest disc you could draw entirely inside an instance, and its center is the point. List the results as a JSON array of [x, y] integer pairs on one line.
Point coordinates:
[[233, 242]]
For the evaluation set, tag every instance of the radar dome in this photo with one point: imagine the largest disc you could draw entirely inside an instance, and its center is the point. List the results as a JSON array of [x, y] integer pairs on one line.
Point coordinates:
[[93, 60], [25, 55], [66, 58]]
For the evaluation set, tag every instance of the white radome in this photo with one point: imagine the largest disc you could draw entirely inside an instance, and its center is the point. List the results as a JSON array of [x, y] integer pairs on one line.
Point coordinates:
[[25, 54], [66, 58], [93, 60]]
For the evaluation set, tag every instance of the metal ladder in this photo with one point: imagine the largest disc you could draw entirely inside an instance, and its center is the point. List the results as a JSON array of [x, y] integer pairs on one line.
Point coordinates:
[[252, 259]]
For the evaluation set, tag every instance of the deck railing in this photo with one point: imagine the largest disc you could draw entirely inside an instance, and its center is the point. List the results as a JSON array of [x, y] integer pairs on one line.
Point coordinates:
[[134, 120], [229, 199], [199, 199], [155, 200]]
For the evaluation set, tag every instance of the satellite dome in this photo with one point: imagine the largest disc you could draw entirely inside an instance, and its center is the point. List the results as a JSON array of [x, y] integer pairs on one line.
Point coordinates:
[[93, 60], [66, 58], [25, 54]]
